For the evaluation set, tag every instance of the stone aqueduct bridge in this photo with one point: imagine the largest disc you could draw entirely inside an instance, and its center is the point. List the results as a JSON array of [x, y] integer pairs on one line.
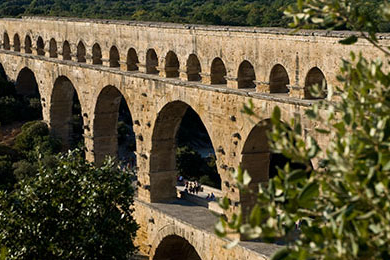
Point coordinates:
[[161, 70]]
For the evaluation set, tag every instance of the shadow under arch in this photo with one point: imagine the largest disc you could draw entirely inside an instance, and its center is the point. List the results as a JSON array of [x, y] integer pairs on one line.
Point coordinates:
[[6, 43], [26, 83], [109, 108], [260, 162], [97, 54], [174, 247], [171, 65], [40, 46], [279, 79], [246, 75], [193, 68], [16, 42], [27, 44], [53, 48], [218, 72], [63, 98], [315, 77], [163, 167], [3, 74]]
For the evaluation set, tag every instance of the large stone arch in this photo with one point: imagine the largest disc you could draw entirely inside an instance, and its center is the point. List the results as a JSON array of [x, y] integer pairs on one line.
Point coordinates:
[[61, 102], [26, 83], [105, 122], [278, 79], [172, 237], [314, 76], [162, 164]]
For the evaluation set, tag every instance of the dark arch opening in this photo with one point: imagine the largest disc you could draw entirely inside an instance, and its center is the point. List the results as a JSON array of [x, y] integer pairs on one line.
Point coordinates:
[[151, 62], [279, 80], [6, 44], [246, 75], [26, 83], [171, 65], [16, 42], [315, 77], [114, 57], [26, 87], [53, 48], [218, 72], [65, 113], [132, 60], [27, 44], [66, 53], [174, 247], [260, 162], [113, 127], [96, 54], [81, 52], [180, 146], [193, 68], [3, 75], [40, 47]]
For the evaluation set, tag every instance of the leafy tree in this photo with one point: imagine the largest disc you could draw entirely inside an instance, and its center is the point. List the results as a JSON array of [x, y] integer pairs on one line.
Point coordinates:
[[343, 207], [72, 211]]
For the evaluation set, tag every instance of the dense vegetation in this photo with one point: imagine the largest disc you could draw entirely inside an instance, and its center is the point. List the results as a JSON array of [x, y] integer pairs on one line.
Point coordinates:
[[218, 12], [56, 205]]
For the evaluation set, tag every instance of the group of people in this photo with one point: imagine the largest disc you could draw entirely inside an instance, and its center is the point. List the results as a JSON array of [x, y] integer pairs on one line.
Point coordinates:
[[193, 188]]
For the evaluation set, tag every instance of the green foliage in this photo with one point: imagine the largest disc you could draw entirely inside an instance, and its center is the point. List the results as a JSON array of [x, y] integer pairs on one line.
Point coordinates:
[[72, 211], [35, 135], [343, 205]]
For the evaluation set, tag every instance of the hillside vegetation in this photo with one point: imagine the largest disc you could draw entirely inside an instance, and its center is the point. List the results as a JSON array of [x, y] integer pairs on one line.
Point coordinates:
[[217, 12]]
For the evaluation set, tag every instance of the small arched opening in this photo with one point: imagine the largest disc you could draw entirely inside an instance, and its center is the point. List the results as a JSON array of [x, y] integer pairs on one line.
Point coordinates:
[[40, 46], [181, 146], [193, 68], [65, 113], [218, 72], [171, 65], [81, 52], [66, 52], [246, 75], [27, 44], [174, 247], [53, 48], [113, 127], [315, 77], [279, 80], [16, 43], [96, 54], [114, 57], [151, 62], [6, 44], [132, 60]]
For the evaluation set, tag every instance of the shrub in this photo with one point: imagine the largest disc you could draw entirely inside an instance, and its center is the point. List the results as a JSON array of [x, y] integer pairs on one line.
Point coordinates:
[[72, 211]]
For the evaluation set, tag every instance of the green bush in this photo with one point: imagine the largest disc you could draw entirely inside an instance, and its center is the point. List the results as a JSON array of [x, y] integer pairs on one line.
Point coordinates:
[[35, 135], [7, 179], [72, 211]]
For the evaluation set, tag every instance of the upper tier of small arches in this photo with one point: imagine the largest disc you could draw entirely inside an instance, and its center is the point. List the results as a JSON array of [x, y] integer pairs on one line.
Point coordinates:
[[169, 66]]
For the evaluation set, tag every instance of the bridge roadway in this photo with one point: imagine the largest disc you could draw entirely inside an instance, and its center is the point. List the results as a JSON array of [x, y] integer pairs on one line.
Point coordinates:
[[196, 225]]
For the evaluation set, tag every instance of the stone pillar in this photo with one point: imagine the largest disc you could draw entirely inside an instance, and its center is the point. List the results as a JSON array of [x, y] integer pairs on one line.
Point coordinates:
[[183, 75], [88, 58], [296, 91], [105, 62], [232, 82], [206, 78], [141, 67], [262, 87], [123, 65]]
